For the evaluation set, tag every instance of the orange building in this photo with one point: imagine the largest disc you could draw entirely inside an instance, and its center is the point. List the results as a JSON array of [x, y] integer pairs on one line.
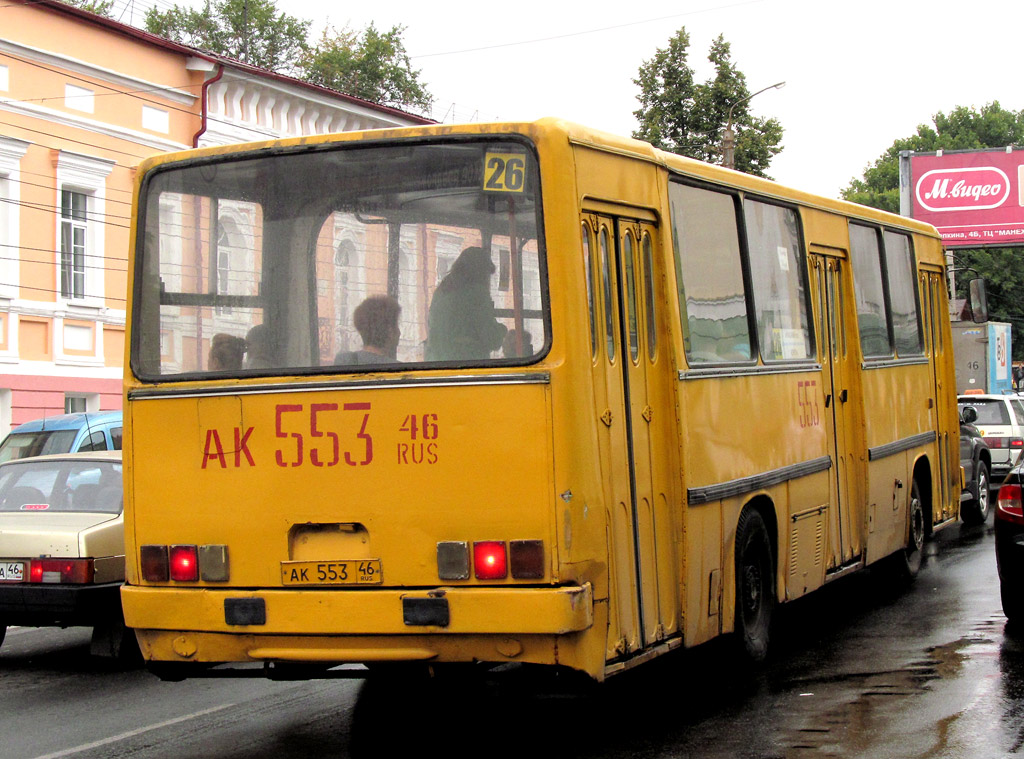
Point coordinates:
[[83, 99]]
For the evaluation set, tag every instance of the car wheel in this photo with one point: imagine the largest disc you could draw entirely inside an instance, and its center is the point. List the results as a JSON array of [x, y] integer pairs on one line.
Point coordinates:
[[1013, 606], [975, 511], [113, 640], [755, 585]]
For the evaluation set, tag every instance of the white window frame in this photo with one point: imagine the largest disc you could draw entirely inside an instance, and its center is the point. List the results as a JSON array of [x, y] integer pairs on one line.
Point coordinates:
[[5, 84], [11, 153], [79, 98], [156, 119], [86, 175], [6, 411], [92, 401], [74, 243]]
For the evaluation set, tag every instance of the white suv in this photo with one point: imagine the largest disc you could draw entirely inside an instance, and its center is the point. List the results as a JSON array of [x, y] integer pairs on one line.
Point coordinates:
[[1001, 423]]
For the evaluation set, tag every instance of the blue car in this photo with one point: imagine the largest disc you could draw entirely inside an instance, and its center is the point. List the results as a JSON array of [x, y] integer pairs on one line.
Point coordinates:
[[66, 433]]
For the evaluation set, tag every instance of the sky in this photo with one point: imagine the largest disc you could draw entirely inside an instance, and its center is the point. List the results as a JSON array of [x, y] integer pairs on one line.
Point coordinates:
[[858, 75]]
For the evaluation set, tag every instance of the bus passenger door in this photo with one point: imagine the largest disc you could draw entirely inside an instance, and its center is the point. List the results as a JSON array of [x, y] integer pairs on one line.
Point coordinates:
[[845, 517], [634, 419], [936, 315]]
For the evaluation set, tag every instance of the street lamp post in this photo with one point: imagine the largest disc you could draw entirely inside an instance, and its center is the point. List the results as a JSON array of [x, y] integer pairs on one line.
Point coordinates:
[[729, 136]]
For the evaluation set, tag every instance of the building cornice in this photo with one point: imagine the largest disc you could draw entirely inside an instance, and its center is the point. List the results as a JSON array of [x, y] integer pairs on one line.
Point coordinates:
[[91, 125], [130, 83]]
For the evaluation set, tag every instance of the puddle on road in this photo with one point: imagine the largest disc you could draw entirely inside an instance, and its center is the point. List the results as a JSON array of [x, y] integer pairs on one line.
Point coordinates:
[[947, 703]]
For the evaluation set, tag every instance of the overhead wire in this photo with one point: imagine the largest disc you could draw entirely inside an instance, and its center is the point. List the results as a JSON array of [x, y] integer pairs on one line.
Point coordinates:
[[583, 32]]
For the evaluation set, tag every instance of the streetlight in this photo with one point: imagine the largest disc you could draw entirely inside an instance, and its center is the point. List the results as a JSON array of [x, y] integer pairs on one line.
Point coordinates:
[[729, 136]]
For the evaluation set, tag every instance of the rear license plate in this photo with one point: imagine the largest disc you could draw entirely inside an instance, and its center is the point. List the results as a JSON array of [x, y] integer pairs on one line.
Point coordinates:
[[12, 571], [352, 572]]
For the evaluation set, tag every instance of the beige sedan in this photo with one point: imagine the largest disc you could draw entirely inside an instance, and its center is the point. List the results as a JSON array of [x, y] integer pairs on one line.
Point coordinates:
[[62, 546]]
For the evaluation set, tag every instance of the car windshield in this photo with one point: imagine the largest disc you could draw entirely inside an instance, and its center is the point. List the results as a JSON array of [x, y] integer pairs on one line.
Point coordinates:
[[346, 259], [19, 445], [61, 485], [989, 411]]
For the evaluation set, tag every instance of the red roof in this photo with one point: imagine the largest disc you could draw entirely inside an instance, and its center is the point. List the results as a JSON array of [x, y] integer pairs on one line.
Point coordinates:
[[152, 39]]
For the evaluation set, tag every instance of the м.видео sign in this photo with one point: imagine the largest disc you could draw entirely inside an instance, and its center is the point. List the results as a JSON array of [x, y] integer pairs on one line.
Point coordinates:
[[973, 198]]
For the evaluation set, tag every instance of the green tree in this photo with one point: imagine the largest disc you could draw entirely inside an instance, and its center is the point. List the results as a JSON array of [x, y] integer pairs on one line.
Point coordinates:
[[684, 116], [99, 7], [1003, 272], [961, 129], [370, 64], [253, 31]]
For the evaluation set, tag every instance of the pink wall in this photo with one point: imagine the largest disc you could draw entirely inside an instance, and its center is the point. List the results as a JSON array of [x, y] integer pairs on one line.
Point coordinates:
[[35, 397]]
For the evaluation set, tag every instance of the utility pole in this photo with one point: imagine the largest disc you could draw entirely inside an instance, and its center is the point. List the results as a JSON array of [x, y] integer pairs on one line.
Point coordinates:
[[729, 136]]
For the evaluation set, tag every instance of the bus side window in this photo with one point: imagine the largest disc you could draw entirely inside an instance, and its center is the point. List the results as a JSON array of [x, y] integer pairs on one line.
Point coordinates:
[[779, 278], [872, 320], [652, 329], [589, 265], [606, 284], [906, 322], [709, 272]]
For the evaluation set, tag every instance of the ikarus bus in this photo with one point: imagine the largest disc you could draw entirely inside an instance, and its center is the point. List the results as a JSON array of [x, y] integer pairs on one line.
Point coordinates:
[[514, 393]]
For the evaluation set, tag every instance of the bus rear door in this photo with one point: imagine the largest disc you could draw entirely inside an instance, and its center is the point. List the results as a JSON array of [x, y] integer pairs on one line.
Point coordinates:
[[634, 417]]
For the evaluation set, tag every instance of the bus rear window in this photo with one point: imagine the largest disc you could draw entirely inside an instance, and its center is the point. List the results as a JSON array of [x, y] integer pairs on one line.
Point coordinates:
[[341, 260]]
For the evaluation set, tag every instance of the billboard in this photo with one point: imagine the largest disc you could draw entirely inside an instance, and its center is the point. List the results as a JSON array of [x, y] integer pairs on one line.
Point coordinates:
[[974, 198]]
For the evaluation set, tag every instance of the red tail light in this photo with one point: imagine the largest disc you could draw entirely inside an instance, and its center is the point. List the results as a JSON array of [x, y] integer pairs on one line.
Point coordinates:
[[76, 571], [1010, 504], [997, 442], [1016, 442], [184, 563], [489, 560]]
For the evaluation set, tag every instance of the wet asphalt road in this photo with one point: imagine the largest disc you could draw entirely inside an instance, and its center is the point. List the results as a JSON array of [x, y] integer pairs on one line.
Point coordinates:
[[865, 668]]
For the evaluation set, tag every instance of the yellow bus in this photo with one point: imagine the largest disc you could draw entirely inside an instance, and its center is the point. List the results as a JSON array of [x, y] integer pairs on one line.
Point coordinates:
[[513, 392]]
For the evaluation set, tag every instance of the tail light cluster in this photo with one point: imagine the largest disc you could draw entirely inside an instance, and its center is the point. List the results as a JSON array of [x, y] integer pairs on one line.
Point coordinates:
[[184, 563], [1010, 504], [76, 571], [1013, 443], [490, 559]]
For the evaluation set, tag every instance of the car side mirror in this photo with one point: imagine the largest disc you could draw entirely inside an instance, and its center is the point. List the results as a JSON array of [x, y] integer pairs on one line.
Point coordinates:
[[969, 415], [978, 300]]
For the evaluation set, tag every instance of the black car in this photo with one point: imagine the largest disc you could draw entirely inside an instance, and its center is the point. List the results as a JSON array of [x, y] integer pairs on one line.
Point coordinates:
[[976, 459], [1009, 528]]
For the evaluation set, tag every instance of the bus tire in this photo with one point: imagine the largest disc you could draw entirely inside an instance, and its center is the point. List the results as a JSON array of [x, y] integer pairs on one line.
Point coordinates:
[[912, 556], [975, 511], [755, 585]]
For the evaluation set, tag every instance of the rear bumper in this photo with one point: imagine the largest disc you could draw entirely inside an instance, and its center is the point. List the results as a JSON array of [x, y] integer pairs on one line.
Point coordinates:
[[521, 611], [36, 605], [325, 626]]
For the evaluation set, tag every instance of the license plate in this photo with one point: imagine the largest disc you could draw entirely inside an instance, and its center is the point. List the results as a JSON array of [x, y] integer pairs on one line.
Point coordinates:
[[352, 572], [12, 571]]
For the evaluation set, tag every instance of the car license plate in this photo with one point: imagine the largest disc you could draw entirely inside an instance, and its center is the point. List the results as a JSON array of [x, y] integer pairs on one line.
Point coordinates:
[[351, 572], [12, 571]]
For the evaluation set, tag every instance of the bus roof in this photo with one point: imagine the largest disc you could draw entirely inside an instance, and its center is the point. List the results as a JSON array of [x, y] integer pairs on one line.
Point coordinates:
[[576, 134]]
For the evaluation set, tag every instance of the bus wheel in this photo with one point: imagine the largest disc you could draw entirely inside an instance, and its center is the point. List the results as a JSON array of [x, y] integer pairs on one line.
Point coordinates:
[[755, 585], [913, 554]]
